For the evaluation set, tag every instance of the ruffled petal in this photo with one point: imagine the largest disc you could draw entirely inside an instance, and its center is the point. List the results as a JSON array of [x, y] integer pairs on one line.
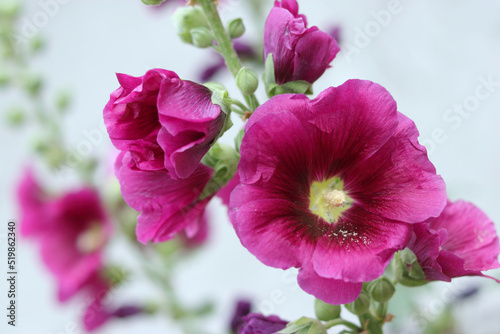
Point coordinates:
[[398, 181], [331, 291]]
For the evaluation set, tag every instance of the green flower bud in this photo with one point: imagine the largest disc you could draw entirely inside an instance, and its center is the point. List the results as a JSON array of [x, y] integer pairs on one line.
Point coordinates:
[[247, 81], [37, 43], [361, 305], [236, 28], [202, 37], [381, 290], [16, 116], [10, 8], [224, 160], [187, 18], [153, 2], [4, 77], [63, 99], [33, 83], [326, 312], [407, 269], [304, 326]]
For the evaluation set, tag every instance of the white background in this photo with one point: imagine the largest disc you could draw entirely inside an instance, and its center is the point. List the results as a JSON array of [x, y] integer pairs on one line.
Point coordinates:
[[430, 55]]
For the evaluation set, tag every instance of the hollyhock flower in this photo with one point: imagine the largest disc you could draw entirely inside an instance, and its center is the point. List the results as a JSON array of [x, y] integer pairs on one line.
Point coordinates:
[[225, 192], [72, 231], [299, 53], [256, 323], [331, 186], [201, 233], [243, 308], [460, 242], [163, 121], [167, 205]]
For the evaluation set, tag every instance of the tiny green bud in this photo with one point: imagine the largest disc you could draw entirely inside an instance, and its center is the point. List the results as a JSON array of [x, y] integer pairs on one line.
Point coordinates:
[[381, 290], [202, 37], [4, 78], [187, 18], [37, 44], [10, 8], [16, 116], [236, 28], [326, 312], [63, 99], [153, 2], [247, 81], [33, 83], [361, 305]]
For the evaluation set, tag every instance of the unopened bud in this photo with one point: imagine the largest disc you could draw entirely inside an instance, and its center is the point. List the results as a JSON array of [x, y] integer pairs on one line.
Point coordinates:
[[407, 270], [153, 2], [236, 28], [186, 19], [326, 312], [381, 290], [247, 81], [361, 305], [202, 37], [16, 116]]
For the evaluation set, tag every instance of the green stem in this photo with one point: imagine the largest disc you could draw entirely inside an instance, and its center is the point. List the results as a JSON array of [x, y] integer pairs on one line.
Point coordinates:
[[342, 322], [373, 325], [224, 44]]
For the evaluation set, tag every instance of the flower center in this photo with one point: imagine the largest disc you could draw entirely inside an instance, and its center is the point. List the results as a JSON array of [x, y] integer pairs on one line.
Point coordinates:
[[328, 199], [91, 239]]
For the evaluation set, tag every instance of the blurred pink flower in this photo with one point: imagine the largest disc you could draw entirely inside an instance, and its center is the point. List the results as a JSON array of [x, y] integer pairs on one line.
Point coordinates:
[[462, 241], [299, 53], [163, 121], [332, 186], [71, 229], [256, 323]]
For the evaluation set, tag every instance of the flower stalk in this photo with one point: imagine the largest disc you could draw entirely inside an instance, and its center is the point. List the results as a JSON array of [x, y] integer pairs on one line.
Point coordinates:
[[224, 44]]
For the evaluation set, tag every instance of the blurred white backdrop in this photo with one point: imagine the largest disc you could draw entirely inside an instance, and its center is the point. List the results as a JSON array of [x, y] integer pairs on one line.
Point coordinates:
[[431, 56]]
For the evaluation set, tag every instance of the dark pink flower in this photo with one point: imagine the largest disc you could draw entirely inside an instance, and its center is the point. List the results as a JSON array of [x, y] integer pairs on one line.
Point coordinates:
[[331, 186], [225, 192], [196, 238], [243, 308], [299, 53], [167, 205], [163, 121], [256, 323], [460, 242], [72, 230]]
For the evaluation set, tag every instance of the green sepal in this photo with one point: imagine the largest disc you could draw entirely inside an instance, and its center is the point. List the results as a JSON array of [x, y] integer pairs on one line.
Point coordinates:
[[224, 161], [407, 270], [304, 326]]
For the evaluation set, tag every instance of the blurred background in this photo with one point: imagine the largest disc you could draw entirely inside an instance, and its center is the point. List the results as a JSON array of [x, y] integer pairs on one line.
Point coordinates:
[[439, 60]]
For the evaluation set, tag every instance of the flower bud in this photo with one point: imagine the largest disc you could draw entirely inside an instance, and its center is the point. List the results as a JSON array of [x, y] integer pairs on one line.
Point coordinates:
[[236, 28], [304, 325], [153, 2], [247, 81], [361, 305], [33, 83], [224, 160], [381, 290], [187, 18], [10, 8], [202, 37], [326, 312], [16, 116], [407, 269]]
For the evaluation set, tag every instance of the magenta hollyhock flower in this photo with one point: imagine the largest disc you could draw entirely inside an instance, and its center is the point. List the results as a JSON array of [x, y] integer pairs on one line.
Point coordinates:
[[199, 235], [72, 231], [163, 121], [331, 186], [299, 53], [167, 205], [256, 323], [460, 242], [225, 192], [242, 309]]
